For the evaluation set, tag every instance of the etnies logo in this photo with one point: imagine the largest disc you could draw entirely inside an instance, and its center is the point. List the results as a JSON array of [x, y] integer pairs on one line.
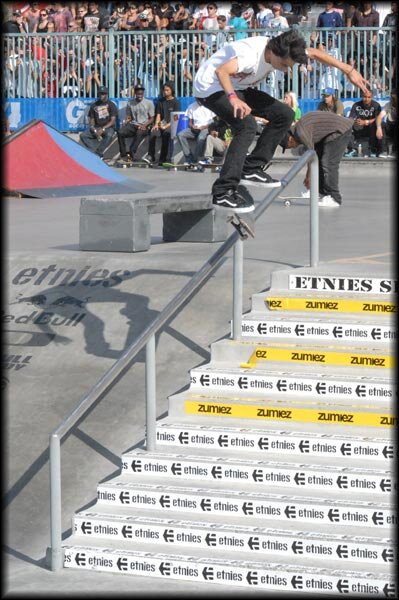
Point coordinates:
[[52, 275]]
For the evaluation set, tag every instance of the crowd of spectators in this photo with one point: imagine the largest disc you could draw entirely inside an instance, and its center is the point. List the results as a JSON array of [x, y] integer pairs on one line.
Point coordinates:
[[64, 66]]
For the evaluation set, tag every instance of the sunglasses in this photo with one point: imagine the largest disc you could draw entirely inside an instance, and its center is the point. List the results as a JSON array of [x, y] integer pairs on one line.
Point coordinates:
[[43, 14]]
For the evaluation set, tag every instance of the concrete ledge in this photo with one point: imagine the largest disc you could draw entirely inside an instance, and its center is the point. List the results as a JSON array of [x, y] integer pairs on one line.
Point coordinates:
[[122, 223]]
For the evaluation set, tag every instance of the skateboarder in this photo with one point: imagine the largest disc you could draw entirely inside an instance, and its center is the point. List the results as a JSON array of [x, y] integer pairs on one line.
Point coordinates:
[[224, 84], [328, 134]]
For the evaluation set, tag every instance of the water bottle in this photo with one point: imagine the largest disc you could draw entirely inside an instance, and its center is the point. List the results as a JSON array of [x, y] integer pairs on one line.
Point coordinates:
[[359, 150]]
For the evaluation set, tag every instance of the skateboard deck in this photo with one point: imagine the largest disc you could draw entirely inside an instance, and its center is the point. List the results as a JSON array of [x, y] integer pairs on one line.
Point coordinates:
[[173, 167], [142, 164], [243, 222]]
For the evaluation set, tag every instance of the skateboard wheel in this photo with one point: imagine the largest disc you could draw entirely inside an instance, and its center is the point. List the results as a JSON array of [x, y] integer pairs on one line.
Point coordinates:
[[287, 203]]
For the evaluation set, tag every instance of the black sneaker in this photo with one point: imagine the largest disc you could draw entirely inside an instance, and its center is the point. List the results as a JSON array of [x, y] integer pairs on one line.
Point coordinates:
[[260, 178], [232, 200]]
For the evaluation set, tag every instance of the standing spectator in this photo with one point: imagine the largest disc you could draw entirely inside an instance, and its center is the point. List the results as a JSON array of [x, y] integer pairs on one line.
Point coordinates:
[[130, 18], [200, 13], [248, 14], [210, 24], [181, 16], [96, 19], [163, 110], [349, 89], [328, 135], [218, 140], [366, 16], [222, 36], [139, 117], [391, 20], [199, 119], [330, 102], [15, 25], [291, 99], [278, 22], [238, 22], [80, 15], [329, 18], [330, 76], [116, 17], [364, 114], [165, 13], [102, 118], [44, 25], [386, 124], [61, 17], [263, 15], [31, 16]]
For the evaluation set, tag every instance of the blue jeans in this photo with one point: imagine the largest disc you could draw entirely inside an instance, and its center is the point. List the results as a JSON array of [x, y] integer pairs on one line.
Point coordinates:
[[199, 146], [280, 117], [89, 140]]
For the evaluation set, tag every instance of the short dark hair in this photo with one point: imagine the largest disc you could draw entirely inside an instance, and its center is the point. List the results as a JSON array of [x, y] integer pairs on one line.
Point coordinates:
[[289, 44]]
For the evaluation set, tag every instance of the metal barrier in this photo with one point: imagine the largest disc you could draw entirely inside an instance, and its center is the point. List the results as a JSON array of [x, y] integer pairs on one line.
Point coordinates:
[[60, 65], [147, 338]]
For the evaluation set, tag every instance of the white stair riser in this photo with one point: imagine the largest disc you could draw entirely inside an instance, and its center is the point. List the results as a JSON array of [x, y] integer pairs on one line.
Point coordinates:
[[253, 542], [284, 443], [319, 331], [283, 509], [333, 283], [298, 385], [276, 579], [303, 478]]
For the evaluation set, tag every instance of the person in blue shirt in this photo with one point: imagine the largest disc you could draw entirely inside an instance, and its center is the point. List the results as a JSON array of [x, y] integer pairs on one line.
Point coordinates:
[[330, 17], [238, 22]]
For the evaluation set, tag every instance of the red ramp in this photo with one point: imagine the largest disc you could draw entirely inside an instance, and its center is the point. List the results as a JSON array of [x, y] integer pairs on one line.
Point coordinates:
[[44, 163]]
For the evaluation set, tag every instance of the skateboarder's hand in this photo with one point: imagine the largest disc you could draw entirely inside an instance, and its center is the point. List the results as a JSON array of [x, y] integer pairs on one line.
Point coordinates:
[[240, 108]]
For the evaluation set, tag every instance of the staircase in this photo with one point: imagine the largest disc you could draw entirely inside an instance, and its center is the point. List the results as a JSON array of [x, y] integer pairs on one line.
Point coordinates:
[[274, 469]]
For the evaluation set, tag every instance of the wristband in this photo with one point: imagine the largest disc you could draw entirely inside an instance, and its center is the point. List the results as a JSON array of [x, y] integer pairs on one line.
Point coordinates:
[[232, 95], [352, 69]]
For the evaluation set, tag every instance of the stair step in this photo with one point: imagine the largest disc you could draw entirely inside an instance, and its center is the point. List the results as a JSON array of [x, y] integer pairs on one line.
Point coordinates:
[[295, 413], [263, 575], [373, 518], [248, 355], [277, 383], [318, 302], [343, 449], [297, 478], [364, 331], [253, 541], [339, 278]]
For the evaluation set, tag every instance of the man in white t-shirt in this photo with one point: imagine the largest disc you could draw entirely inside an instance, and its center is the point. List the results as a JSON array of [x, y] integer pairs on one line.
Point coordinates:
[[225, 83], [199, 119]]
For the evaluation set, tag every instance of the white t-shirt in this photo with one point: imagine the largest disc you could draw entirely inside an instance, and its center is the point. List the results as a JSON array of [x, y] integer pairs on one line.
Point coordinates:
[[199, 114], [252, 66]]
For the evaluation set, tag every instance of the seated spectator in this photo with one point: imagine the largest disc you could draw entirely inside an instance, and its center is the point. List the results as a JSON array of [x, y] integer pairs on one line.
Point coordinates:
[[218, 140], [278, 22], [102, 119], [364, 114], [386, 124], [139, 119], [161, 128], [237, 22], [199, 119], [291, 99], [331, 102]]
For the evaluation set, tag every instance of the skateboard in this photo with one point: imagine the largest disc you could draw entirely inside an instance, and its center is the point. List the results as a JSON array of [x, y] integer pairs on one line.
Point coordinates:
[[174, 167], [141, 164], [243, 223]]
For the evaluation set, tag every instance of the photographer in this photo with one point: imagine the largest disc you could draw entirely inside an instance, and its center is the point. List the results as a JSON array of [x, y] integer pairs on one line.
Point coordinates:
[[102, 118]]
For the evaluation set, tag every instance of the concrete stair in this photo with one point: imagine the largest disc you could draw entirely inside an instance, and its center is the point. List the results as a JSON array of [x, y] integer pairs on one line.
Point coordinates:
[[274, 468]]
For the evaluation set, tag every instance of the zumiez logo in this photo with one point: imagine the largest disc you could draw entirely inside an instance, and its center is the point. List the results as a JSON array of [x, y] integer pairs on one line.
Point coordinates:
[[343, 284], [53, 275]]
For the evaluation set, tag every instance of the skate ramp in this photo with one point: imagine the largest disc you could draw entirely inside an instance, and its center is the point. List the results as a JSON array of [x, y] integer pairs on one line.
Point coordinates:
[[44, 163]]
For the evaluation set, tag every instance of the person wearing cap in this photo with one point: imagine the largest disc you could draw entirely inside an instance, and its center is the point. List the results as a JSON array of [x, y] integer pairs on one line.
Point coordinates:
[[102, 119], [139, 118], [330, 102], [278, 22], [225, 83], [328, 134]]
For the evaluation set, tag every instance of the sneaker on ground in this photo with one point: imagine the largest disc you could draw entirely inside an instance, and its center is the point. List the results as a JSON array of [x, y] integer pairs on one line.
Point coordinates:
[[233, 201], [350, 154], [148, 159], [260, 178], [206, 161], [328, 201], [306, 194], [126, 159]]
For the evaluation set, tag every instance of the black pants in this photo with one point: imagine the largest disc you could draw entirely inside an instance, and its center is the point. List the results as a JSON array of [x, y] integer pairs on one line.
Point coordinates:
[[330, 154], [130, 131], [280, 117], [367, 136], [165, 139]]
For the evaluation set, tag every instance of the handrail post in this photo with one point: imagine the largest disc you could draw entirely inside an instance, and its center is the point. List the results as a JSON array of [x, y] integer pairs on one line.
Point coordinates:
[[55, 502], [314, 211], [238, 261], [150, 394]]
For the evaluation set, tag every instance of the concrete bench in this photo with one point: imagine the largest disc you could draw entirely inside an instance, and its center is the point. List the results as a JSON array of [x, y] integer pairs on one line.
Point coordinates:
[[122, 223]]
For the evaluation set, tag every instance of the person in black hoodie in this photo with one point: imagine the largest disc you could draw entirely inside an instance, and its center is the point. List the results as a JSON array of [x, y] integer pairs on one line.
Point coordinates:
[[161, 128]]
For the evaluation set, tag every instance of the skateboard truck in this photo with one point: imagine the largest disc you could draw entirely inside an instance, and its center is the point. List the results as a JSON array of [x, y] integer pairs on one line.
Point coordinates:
[[240, 225]]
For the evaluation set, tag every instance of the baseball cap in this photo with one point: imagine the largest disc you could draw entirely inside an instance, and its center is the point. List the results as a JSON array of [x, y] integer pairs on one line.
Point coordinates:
[[139, 87], [328, 92], [102, 90], [276, 5]]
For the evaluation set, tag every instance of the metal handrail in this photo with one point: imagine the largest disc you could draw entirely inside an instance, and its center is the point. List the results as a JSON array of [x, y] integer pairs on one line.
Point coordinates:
[[147, 338]]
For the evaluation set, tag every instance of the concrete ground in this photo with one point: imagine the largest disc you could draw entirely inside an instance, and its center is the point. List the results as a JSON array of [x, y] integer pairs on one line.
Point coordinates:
[[52, 360]]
